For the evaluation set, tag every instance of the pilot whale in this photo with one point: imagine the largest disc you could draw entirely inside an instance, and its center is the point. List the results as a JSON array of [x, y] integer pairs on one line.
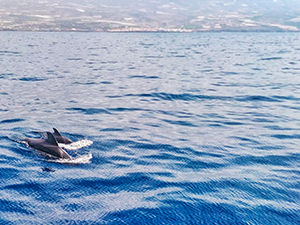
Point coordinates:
[[48, 145], [59, 138]]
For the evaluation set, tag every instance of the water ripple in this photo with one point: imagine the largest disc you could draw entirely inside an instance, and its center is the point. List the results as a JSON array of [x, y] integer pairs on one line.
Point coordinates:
[[12, 120], [89, 111]]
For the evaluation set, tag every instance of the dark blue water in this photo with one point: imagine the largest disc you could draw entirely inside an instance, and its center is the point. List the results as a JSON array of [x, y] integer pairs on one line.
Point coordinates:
[[199, 128]]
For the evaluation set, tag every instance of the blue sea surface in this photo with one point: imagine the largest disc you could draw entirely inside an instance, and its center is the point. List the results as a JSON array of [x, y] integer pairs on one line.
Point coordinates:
[[200, 128]]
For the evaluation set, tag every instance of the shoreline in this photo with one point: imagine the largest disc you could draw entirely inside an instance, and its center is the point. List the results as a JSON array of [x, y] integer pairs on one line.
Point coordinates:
[[151, 31]]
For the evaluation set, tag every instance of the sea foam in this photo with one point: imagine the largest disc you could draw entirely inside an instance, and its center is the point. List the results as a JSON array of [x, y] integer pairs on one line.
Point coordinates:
[[76, 145]]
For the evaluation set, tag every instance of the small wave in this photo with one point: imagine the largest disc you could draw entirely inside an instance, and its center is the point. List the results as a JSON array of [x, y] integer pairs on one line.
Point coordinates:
[[230, 73], [286, 136], [5, 75], [207, 70], [10, 52], [257, 98], [256, 69], [31, 79], [85, 83], [106, 82], [144, 77], [12, 120], [89, 111], [183, 97], [293, 98], [76, 145], [122, 109], [83, 159], [74, 59], [111, 130], [271, 58], [180, 122]]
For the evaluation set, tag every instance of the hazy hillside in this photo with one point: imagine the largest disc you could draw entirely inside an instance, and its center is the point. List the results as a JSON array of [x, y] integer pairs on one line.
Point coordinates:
[[150, 15]]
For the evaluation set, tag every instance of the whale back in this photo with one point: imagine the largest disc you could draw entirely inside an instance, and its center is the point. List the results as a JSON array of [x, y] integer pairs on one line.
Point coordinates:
[[49, 146]]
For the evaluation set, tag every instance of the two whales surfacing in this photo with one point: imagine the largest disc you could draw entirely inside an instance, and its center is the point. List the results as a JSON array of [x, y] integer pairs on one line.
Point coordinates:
[[49, 144]]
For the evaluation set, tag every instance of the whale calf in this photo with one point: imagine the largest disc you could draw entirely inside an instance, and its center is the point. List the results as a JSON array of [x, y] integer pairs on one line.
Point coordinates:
[[48, 145], [59, 138]]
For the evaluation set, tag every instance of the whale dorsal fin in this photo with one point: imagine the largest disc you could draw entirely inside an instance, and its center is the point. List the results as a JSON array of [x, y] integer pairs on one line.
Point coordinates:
[[56, 132], [51, 139]]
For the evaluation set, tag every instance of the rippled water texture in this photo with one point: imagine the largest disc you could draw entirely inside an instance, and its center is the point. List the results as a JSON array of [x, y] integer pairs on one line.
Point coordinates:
[[199, 128]]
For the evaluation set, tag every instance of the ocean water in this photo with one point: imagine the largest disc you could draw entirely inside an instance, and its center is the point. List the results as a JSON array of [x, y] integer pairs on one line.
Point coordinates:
[[200, 128]]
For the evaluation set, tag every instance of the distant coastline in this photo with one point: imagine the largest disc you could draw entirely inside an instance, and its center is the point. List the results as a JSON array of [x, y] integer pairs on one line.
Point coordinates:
[[154, 31], [150, 16], [140, 29]]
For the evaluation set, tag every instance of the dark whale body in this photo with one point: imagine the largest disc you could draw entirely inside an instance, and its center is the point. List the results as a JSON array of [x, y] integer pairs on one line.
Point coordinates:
[[59, 138], [49, 146]]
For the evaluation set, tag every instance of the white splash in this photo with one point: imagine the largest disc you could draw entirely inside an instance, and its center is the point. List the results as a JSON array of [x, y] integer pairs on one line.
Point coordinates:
[[76, 145], [83, 159]]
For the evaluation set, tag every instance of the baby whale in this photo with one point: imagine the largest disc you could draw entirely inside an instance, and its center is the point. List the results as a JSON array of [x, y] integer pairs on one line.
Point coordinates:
[[48, 145], [59, 138]]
